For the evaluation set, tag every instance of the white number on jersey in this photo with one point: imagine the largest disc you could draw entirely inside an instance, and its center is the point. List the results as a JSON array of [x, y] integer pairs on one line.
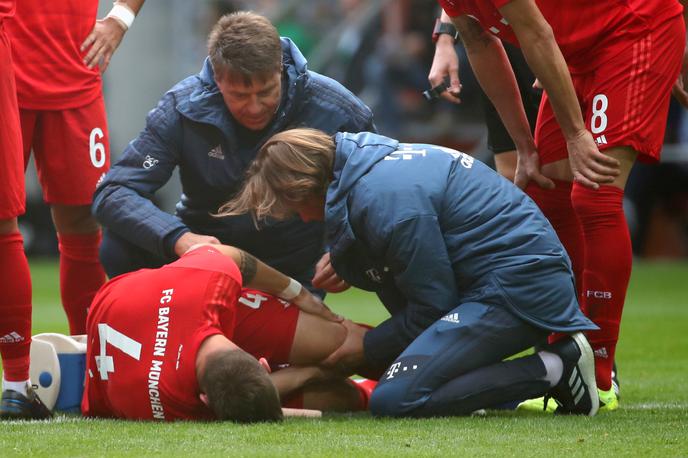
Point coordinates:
[[109, 335], [95, 148], [252, 300], [598, 122]]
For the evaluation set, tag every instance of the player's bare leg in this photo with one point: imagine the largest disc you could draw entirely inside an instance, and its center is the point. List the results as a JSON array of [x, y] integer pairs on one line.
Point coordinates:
[[81, 274], [314, 340]]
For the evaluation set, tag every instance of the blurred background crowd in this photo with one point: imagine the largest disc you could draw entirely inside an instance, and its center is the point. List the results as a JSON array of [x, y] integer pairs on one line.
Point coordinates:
[[382, 51]]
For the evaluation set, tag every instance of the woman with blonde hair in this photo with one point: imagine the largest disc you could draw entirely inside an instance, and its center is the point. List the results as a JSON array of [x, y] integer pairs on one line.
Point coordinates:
[[468, 267]]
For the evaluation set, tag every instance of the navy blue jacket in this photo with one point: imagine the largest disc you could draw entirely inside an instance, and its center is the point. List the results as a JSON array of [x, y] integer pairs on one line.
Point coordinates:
[[191, 128], [428, 228]]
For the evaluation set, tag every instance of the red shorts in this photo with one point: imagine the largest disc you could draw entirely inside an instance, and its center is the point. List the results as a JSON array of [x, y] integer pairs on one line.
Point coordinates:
[[625, 101], [12, 197], [71, 150], [265, 326]]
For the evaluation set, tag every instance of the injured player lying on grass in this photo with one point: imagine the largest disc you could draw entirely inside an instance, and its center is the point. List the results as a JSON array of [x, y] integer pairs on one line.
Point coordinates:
[[184, 342]]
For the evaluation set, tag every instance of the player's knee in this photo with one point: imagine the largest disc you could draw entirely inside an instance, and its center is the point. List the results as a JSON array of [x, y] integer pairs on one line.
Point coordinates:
[[589, 204], [74, 219], [315, 339]]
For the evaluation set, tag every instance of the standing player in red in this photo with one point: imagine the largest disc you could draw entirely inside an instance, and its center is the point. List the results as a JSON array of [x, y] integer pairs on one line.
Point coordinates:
[[15, 300], [607, 68], [64, 123], [56, 47], [162, 342]]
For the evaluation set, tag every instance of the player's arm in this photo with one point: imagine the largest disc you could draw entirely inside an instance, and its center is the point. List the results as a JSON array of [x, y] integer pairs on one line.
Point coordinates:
[[107, 33], [123, 199], [258, 275], [494, 72], [445, 65], [589, 166]]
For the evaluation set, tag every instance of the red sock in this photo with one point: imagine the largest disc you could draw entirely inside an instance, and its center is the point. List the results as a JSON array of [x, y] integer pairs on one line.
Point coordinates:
[[365, 389], [15, 308], [81, 275], [556, 205], [608, 260]]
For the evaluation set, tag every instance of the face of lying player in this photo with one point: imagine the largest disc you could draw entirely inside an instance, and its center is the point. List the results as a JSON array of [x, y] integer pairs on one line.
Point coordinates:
[[252, 105]]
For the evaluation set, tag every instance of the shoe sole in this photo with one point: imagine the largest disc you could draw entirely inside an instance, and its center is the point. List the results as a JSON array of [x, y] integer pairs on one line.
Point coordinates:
[[586, 367]]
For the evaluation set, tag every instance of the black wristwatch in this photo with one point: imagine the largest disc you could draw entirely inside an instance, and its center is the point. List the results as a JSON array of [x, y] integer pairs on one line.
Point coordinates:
[[444, 27]]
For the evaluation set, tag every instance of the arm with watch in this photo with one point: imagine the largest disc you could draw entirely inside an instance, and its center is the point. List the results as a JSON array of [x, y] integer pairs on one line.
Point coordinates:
[[257, 275], [445, 64]]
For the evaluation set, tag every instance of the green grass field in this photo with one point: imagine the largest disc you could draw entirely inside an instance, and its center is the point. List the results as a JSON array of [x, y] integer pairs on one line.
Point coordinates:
[[652, 419]]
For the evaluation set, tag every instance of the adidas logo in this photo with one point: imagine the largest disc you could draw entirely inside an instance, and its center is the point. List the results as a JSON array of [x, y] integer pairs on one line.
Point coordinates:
[[576, 385], [452, 318], [601, 353], [601, 140], [12, 337], [216, 152]]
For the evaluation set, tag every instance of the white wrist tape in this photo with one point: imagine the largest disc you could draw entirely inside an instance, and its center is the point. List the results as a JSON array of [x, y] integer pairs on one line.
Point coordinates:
[[123, 14], [291, 291]]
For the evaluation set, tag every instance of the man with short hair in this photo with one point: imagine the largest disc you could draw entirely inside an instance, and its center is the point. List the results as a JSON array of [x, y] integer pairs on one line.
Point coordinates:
[[164, 344], [253, 85]]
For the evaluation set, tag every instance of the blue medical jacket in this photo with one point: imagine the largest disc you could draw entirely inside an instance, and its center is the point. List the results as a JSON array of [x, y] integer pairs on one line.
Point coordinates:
[[191, 128], [429, 228]]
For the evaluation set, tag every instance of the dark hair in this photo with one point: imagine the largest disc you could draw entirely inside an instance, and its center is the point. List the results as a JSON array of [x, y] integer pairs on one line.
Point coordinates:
[[245, 46], [239, 389]]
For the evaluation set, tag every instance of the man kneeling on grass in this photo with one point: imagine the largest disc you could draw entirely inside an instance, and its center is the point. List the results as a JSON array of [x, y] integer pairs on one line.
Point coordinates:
[[177, 343], [467, 265]]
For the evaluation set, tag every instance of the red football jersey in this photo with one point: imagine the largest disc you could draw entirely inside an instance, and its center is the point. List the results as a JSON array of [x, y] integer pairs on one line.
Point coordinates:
[[144, 331], [7, 8], [584, 29], [46, 39]]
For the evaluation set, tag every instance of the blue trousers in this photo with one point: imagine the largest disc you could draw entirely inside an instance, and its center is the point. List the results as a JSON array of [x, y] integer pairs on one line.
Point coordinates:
[[457, 366]]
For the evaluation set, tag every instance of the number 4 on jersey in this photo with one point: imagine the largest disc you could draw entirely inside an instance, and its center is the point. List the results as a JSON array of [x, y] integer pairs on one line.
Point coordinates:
[[109, 335]]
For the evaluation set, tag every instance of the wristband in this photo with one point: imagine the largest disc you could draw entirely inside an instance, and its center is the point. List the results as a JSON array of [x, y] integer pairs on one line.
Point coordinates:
[[122, 14], [291, 291], [446, 28]]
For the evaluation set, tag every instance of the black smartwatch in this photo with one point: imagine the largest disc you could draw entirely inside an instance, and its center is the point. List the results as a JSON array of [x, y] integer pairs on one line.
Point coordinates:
[[444, 27]]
